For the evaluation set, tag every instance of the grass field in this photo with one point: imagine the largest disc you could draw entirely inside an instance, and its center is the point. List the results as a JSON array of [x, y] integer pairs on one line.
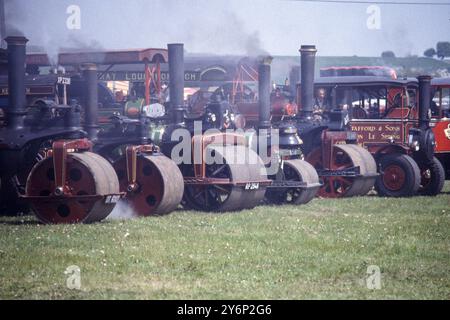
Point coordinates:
[[317, 251]]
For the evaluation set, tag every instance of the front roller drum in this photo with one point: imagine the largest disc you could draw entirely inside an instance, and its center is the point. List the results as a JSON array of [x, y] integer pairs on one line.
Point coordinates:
[[296, 171], [343, 157], [230, 165], [91, 181], [368, 170], [160, 185]]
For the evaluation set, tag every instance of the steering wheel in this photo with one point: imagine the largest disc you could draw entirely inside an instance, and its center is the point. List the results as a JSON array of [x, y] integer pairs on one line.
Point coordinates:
[[359, 113]]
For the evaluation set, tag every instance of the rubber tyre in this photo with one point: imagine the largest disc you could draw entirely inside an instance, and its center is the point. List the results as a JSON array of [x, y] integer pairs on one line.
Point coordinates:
[[411, 176], [437, 178]]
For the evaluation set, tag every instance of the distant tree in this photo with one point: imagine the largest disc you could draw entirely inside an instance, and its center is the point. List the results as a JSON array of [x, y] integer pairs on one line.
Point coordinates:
[[388, 54], [430, 53], [443, 49]]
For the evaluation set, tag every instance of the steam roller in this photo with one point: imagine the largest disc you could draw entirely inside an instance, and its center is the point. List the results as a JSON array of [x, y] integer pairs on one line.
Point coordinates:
[[355, 169], [235, 180], [335, 166], [345, 168], [153, 183], [295, 181], [65, 183], [222, 174], [72, 185], [293, 172]]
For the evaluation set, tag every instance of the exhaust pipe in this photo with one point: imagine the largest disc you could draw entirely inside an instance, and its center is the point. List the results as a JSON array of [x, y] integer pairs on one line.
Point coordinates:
[[264, 93], [307, 61], [15, 114], [91, 108], [424, 101], [294, 78], [2, 24], [176, 82]]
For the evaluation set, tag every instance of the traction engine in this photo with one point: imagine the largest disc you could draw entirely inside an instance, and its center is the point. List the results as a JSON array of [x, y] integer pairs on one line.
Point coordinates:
[[45, 160], [392, 120], [345, 168], [295, 181], [221, 173], [152, 182]]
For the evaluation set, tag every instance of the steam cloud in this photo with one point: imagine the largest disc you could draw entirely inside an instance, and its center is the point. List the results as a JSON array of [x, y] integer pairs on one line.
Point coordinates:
[[122, 211], [103, 27]]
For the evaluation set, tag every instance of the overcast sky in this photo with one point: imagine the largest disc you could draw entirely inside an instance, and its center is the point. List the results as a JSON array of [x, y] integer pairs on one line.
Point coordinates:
[[234, 26]]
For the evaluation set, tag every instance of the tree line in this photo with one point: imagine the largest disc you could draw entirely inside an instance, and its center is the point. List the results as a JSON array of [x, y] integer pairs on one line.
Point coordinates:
[[441, 51]]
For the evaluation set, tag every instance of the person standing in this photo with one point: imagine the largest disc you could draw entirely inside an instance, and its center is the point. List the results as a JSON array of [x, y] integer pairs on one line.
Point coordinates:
[[319, 104]]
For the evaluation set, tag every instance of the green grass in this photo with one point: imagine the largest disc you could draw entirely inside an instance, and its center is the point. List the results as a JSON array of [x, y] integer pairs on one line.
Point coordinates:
[[316, 251]]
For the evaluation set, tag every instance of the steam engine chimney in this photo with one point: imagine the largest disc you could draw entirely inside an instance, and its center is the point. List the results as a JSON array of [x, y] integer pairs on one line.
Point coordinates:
[[294, 77], [307, 61], [2, 24], [264, 93], [15, 114], [91, 108], [424, 101], [176, 81]]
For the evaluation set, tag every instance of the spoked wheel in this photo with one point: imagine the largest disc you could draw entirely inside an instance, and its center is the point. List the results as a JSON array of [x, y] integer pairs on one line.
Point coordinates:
[[87, 174], [295, 170], [10, 203], [342, 157], [227, 197], [432, 178], [400, 176], [160, 185]]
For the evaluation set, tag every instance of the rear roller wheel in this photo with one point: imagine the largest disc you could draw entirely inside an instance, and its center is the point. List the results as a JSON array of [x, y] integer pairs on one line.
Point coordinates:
[[400, 176], [342, 157], [87, 174], [295, 170], [226, 197], [11, 204], [432, 178], [160, 185]]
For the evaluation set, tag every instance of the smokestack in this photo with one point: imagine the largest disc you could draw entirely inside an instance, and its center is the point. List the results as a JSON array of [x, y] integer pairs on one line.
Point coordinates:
[[308, 57], [264, 93], [2, 24], [424, 101], [16, 112], [176, 81], [91, 108], [294, 77]]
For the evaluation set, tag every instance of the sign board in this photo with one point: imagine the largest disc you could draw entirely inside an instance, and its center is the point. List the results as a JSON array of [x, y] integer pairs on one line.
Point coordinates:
[[373, 132], [140, 76], [63, 80]]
